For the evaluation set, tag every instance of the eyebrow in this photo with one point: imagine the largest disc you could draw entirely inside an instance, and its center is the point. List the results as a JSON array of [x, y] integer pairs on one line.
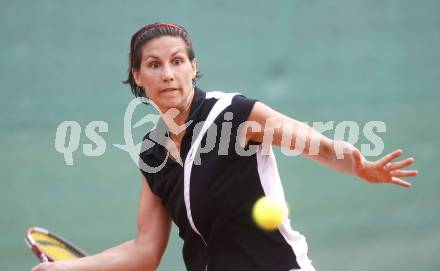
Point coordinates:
[[156, 57]]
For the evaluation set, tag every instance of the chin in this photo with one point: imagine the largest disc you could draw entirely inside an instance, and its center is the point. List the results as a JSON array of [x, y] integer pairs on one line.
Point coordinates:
[[169, 103]]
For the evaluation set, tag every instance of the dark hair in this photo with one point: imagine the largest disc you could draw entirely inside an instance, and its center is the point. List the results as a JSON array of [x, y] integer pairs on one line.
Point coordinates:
[[144, 35]]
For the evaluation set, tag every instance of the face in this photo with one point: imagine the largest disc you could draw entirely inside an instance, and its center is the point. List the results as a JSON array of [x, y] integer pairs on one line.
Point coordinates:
[[166, 73]]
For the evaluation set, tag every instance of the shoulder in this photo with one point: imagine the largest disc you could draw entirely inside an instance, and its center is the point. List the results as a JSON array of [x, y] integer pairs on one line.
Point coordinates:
[[226, 102], [233, 99]]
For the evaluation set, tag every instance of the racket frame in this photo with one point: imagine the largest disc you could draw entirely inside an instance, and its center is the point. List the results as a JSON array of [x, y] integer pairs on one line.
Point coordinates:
[[43, 257]]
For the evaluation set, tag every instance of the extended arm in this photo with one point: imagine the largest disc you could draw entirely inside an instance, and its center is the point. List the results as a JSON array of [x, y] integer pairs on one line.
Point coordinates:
[[288, 133]]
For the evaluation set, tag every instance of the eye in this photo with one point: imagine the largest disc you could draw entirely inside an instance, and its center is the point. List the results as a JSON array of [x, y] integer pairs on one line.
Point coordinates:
[[177, 61], [154, 65]]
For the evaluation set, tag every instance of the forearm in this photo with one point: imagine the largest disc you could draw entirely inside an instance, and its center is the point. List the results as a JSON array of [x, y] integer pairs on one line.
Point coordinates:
[[129, 256], [337, 155]]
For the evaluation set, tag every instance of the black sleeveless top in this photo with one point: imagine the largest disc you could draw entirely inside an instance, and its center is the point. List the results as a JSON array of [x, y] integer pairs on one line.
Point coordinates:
[[224, 185]]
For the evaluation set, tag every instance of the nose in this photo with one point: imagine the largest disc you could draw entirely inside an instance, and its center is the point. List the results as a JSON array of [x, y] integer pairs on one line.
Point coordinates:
[[167, 73]]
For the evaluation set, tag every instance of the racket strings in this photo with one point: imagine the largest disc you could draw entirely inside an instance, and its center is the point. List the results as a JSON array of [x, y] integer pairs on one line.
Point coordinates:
[[54, 248]]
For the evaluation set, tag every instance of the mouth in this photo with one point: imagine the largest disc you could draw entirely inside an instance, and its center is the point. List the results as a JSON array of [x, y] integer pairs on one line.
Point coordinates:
[[169, 89]]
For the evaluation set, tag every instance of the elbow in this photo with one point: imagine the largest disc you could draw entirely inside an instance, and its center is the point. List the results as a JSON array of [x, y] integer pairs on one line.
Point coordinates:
[[149, 257], [154, 261]]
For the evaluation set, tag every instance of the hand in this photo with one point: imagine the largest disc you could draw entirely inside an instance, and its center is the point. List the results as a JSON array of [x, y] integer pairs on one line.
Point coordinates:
[[43, 267], [383, 170], [48, 266]]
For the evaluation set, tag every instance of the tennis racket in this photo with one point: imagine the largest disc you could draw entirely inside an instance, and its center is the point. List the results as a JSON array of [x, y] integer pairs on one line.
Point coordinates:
[[49, 247]]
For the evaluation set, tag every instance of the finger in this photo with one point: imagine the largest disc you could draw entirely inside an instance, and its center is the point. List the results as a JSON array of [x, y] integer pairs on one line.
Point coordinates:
[[357, 156], [397, 181], [400, 164], [404, 173], [389, 157]]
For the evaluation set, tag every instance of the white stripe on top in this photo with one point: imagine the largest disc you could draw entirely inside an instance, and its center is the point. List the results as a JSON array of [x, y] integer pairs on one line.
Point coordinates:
[[225, 99], [271, 183]]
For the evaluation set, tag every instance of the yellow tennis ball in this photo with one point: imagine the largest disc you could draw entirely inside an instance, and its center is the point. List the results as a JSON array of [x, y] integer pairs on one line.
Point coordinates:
[[269, 212]]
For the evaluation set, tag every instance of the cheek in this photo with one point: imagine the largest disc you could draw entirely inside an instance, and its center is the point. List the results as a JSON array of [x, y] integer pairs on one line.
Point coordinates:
[[187, 74], [148, 78]]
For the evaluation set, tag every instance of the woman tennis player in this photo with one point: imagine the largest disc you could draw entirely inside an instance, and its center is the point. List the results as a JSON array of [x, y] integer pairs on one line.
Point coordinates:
[[205, 164]]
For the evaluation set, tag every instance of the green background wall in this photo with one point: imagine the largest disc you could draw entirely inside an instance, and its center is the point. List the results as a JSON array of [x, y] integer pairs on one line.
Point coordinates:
[[313, 60]]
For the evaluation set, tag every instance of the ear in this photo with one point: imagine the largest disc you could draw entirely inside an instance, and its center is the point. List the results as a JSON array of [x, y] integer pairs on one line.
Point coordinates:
[[136, 76], [194, 68]]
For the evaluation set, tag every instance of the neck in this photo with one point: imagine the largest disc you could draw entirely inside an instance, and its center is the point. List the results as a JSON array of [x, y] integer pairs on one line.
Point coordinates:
[[175, 118]]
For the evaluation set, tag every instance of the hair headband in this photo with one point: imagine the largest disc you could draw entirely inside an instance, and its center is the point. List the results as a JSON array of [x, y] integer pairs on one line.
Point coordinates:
[[136, 39]]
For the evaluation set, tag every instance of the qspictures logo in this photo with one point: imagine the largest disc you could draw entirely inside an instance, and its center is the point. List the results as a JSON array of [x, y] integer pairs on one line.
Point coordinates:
[[68, 134]]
